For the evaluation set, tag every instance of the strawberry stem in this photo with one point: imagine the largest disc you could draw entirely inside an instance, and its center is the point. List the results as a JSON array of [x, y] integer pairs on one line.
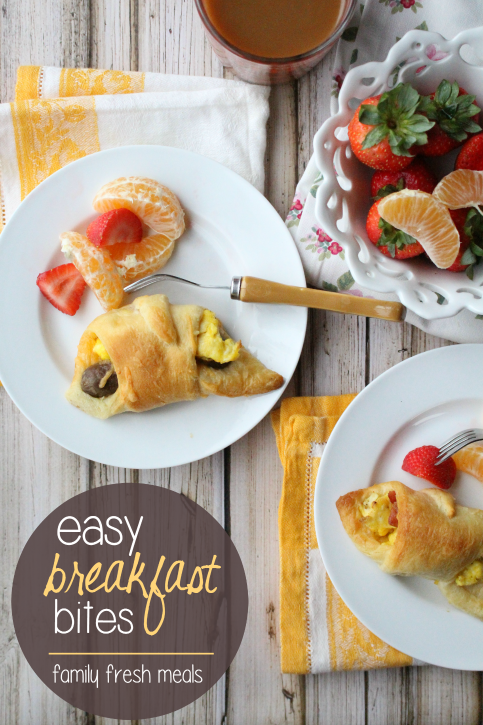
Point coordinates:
[[395, 118]]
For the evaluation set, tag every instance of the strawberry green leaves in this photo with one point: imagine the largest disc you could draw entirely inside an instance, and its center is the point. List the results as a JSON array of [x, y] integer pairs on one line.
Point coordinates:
[[393, 238], [395, 118], [452, 109], [474, 230]]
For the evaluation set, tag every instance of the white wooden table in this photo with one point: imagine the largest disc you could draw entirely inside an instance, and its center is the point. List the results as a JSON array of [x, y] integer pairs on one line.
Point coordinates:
[[240, 486]]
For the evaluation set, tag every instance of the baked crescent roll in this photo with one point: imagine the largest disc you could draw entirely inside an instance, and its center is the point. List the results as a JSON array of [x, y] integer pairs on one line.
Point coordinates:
[[152, 353], [408, 532], [467, 594]]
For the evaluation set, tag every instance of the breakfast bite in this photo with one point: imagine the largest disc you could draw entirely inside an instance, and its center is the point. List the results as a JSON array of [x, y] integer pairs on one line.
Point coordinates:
[[420, 533], [424, 533], [151, 353]]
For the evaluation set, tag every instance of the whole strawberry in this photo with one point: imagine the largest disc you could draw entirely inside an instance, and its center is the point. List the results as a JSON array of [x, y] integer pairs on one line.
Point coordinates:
[[459, 218], [471, 154], [454, 114], [470, 226], [415, 176], [421, 463], [390, 241], [385, 128]]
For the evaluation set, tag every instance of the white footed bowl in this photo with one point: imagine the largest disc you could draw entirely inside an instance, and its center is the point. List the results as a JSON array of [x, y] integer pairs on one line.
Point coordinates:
[[343, 198]]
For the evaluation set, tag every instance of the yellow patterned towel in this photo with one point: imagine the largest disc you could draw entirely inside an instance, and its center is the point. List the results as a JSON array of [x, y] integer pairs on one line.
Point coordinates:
[[60, 115], [318, 632]]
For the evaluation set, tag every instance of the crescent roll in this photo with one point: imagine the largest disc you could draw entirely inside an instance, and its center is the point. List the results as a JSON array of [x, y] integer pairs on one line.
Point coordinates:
[[151, 353], [408, 532]]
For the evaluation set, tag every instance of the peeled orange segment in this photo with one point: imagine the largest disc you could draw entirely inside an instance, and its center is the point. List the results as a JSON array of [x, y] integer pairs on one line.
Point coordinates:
[[470, 460], [427, 220], [460, 189], [154, 204], [97, 268], [137, 259]]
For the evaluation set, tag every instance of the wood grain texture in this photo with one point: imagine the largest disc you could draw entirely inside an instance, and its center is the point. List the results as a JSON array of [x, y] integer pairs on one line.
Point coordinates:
[[257, 691], [36, 474]]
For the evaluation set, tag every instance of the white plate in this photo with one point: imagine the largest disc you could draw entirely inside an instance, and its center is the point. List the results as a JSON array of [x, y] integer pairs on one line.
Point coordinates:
[[421, 401], [233, 231], [343, 197]]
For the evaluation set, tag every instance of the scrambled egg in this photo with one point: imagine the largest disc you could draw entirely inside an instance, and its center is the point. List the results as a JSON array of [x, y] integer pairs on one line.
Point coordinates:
[[211, 346], [472, 574], [375, 509], [100, 350]]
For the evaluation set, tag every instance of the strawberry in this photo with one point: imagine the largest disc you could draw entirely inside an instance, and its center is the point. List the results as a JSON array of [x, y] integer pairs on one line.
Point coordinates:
[[421, 463], [63, 286], [390, 241], [459, 218], [473, 232], [385, 128], [117, 226], [471, 154], [414, 176], [454, 115]]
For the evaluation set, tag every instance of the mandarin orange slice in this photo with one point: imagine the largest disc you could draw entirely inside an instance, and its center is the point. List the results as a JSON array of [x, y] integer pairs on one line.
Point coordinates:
[[137, 259], [427, 220], [97, 268], [154, 204], [460, 189], [470, 460]]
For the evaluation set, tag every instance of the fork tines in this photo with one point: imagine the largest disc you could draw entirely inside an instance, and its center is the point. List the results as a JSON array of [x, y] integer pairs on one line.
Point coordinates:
[[455, 443]]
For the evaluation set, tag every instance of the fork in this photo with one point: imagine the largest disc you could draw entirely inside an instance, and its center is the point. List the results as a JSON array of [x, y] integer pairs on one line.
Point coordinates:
[[457, 442], [252, 289]]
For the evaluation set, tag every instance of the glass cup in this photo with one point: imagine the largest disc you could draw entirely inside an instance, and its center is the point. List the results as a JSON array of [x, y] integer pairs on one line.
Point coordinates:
[[269, 71]]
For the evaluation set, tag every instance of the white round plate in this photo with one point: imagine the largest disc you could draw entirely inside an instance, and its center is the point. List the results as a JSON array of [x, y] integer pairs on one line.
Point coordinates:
[[421, 401], [233, 230]]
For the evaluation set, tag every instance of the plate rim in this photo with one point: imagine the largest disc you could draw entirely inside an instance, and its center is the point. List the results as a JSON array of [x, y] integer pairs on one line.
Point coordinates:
[[319, 502], [296, 268]]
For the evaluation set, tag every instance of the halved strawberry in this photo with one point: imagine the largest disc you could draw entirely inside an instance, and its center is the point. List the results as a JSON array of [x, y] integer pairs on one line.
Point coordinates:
[[63, 286], [385, 128], [118, 226], [421, 463], [455, 116], [390, 241]]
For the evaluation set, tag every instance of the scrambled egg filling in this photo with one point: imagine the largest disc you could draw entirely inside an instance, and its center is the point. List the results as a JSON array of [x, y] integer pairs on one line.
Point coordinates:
[[375, 510], [100, 350], [211, 345], [471, 575]]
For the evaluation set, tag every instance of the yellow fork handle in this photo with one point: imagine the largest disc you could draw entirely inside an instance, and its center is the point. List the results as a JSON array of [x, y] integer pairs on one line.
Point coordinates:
[[253, 289]]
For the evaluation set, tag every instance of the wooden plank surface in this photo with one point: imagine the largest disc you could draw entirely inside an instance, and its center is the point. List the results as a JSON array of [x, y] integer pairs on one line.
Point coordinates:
[[241, 486]]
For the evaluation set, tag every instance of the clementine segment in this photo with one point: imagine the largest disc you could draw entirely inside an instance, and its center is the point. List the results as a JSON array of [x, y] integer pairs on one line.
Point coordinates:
[[460, 189], [153, 203], [97, 268], [470, 460], [423, 217], [138, 259]]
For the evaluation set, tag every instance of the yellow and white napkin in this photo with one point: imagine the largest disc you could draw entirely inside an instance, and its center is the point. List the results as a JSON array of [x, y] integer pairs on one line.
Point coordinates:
[[318, 632], [60, 115]]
